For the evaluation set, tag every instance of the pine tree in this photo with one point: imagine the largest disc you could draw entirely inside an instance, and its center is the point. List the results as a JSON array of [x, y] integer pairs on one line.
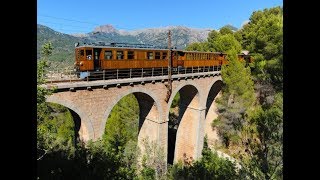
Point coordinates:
[[237, 97]]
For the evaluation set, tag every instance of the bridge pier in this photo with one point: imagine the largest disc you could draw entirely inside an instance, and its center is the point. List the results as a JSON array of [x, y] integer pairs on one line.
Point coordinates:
[[190, 134]]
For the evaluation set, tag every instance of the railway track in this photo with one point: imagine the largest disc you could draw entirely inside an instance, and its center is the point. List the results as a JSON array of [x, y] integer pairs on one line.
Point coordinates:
[[65, 80]]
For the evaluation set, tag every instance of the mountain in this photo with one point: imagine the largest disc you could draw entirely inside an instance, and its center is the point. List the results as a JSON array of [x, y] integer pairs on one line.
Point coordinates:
[[181, 36], [64, 43]]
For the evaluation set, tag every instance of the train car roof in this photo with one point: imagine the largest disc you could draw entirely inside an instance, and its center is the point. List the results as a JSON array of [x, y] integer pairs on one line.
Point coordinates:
[[112, 47], [140, 48]]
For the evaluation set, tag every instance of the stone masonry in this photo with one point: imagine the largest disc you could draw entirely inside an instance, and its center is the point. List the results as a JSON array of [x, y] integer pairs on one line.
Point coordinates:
[[196, 97]]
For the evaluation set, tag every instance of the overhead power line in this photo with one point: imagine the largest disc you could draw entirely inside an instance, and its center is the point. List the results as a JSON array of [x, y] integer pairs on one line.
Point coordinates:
[[49, 22], [69, 19], [93, 23]]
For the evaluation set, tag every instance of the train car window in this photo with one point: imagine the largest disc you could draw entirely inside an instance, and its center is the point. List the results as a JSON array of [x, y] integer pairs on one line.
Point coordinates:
[[82, 53], [180, 53], [149, 55], [130, 54], [89, 54], [108, 55], [96, 55], [164, 55], [119, 54], [157, 56]]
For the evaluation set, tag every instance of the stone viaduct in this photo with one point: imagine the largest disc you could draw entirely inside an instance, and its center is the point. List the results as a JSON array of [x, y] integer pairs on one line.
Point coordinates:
[[93, 102]]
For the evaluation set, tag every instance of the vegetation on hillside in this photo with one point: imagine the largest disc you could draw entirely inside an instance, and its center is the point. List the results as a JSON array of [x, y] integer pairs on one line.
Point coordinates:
[[63, 54], [250, 109], [250, 119]]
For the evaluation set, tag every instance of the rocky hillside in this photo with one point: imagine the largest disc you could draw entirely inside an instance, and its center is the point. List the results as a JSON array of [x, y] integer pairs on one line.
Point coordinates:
[[181, 36], [63, 44]]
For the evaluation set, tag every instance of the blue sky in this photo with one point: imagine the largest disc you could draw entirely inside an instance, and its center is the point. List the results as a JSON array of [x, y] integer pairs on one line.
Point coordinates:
[[79, 16]]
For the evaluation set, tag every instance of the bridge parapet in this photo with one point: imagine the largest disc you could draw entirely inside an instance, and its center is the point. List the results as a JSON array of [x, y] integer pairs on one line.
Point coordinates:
[[129, 81]]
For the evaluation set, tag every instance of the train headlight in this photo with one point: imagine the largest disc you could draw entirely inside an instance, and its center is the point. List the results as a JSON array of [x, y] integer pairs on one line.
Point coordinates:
[[81, 63]]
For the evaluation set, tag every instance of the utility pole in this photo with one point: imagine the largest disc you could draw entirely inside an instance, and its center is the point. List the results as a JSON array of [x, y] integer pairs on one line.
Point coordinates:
[[169, 86]]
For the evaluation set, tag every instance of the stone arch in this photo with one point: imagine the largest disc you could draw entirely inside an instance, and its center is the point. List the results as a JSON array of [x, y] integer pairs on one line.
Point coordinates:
[[214, 89], [175, 90], [190, 108], [78, 132], [149, 108], [86, 129]]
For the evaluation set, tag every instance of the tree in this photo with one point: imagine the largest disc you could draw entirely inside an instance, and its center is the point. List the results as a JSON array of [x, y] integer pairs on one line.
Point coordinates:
[[225, 30], [122, 124], [263, 35], [42, 108], [217, 41], [55, 126], [237, 97], [256, 127], [153, 161], [226, 43], [42, 92], [266, 149], [209, 166], [46, 50], [121, 134], [197, 47], [212, 36]]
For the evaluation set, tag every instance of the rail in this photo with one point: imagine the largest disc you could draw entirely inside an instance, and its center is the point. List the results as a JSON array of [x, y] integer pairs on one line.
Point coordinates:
[[69, 78]]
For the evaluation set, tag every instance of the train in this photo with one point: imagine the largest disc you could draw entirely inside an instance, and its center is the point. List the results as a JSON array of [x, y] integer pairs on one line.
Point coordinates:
[[98, 57]]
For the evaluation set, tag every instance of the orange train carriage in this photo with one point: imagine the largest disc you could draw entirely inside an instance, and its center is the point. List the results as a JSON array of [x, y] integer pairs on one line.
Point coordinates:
[[244, 56], [120, 56]]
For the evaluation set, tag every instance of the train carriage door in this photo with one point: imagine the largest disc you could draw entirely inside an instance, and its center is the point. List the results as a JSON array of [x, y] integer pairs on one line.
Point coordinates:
[[174, 58], [88, 64], [96, 58], [180, 62]]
